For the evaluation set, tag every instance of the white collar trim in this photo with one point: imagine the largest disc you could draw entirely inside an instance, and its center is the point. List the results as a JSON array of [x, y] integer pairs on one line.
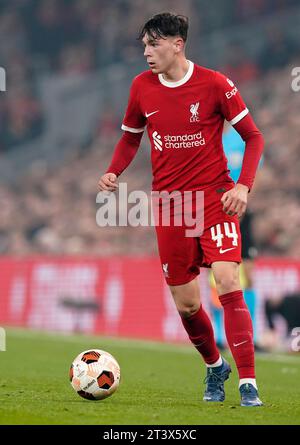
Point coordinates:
[[180, 82]]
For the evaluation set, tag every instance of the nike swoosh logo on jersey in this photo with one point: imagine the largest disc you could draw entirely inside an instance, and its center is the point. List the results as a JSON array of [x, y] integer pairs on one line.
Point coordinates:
[[238, 344], [226, 250], [150, 114]]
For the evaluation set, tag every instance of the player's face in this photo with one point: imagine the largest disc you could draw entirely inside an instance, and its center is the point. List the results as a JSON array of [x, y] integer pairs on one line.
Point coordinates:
[[161, 53]]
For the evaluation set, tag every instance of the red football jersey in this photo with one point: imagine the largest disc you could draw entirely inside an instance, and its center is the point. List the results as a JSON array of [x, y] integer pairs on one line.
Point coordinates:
[[185, 121]]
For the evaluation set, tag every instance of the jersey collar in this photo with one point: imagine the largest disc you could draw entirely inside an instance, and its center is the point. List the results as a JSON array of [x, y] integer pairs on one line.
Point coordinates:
[[180, 82]]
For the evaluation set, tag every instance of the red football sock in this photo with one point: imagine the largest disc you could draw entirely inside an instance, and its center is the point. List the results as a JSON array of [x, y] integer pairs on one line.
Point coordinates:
[[201, 334], [239, 332]]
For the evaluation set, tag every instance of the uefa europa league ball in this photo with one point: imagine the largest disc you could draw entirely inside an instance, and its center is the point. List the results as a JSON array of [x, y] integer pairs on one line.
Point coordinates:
[[95, 374]]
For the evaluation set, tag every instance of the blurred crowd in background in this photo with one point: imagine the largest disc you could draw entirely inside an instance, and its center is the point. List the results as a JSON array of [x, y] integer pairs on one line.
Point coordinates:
[[79, 36], [53, 210]]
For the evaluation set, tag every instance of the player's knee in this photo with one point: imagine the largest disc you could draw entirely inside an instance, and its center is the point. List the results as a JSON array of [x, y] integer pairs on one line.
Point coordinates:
[[186, 304], [186, 298], [187, 310], [227, 283]]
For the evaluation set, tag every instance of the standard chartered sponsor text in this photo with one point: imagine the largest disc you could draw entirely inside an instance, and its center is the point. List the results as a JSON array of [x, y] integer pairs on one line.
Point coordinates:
[[184, 141]]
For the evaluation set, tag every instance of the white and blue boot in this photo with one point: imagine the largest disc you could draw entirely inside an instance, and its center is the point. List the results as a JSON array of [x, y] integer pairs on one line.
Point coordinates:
[[214, 381]]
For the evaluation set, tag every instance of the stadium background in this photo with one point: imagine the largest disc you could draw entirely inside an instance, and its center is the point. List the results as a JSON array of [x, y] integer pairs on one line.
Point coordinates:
[[69, 64]]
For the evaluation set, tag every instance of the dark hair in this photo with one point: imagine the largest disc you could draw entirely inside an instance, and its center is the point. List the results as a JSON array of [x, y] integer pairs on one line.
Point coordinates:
[[164, 25]]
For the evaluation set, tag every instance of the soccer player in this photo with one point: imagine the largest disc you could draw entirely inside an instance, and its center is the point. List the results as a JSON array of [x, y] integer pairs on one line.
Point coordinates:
[[183, 106]]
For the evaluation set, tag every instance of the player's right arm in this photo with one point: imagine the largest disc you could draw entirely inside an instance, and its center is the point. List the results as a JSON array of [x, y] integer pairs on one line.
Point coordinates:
[[133, 125], [124, 153], [108, 182]]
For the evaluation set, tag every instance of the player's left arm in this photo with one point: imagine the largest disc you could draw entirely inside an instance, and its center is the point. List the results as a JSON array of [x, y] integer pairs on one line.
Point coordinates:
[[235, 200], [237, 114]]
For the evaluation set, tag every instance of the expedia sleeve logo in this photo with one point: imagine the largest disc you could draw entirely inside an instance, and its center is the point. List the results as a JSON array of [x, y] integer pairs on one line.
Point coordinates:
[[230, 94]]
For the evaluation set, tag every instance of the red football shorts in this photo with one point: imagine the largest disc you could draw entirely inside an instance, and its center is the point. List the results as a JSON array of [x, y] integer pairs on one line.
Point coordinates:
[[182, 256]]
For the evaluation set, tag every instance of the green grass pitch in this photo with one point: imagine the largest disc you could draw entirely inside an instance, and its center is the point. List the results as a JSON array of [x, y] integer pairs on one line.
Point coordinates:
[[160, 384]]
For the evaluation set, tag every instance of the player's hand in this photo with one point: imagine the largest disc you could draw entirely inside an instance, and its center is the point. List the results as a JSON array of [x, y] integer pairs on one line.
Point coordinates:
[[235, 200], [108, 182]]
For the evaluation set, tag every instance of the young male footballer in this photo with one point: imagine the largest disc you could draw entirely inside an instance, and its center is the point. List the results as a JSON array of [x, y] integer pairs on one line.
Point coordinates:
[[183, 106]]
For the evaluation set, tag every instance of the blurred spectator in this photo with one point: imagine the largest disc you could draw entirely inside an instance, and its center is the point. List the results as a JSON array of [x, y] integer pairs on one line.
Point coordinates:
[[23, 119], [278, 49], [239, 66], [286, 308], [46, 30], [76, 59]]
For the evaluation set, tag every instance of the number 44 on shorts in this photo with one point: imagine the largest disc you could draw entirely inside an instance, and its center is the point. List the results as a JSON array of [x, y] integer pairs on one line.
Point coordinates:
[[220, 231]]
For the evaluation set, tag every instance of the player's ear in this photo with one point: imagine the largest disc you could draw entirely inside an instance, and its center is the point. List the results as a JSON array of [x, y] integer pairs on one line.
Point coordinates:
[[178, 44]]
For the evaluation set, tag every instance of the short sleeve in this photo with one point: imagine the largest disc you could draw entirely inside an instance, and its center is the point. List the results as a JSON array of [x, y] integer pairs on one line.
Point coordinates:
[[134, 120], [230, 101]]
